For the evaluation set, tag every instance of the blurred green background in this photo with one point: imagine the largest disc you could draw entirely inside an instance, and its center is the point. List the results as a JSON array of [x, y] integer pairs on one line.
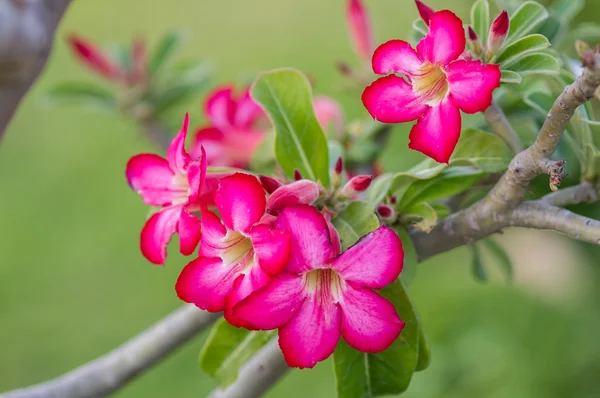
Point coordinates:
[[73, 284]]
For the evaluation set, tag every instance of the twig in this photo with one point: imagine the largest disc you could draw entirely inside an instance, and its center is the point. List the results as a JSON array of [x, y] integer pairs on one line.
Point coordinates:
[[27, 35], [497, 120], [113, 370], [257, 375]]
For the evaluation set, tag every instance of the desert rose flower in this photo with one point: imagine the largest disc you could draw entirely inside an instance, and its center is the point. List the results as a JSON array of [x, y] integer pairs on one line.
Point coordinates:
[[437, 87], [232, 135], [322, 295], [175, 184]]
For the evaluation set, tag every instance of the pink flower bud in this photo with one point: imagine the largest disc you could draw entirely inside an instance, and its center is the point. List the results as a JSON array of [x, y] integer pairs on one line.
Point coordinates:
[[475, 43], [297, 175], [425, 11], [498, 33], [356, 185], [93, 57], [338, 169], [360, 30], [385, 212], [269, 184]]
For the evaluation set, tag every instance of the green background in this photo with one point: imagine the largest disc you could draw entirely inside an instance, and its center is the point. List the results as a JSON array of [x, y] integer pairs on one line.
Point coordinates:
[[73, 284]]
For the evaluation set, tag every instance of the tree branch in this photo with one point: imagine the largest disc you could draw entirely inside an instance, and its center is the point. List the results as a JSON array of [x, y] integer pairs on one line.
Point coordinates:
[[27, 35], [498, 122], [113, 370], [257, 375]]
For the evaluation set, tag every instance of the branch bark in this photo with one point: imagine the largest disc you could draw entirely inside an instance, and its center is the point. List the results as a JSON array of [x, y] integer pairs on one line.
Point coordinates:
[[113, 370], [26, 35]]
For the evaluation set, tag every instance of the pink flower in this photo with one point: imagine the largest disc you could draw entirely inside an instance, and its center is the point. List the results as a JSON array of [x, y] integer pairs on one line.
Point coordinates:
[[174, 184], [232, 135], [237, 255], [361, 32], [322, 295], [94, 58], [438, 86]]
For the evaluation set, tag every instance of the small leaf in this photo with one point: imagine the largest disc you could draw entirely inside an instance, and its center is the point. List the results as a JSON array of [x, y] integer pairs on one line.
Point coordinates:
[[500, 254], [176, 94], [165, 48], [286, 96], [539, 101], [360, 375], [228, 348], [526, 45], [526, 18], [379, 188], [480, 19], [510, 77], [554, 28], [409, 269], [419, 26], [441, 209], [76, 92], [425, 215], [481, 149], [355, 221], [477, 266], [424, 351], [536, 63]]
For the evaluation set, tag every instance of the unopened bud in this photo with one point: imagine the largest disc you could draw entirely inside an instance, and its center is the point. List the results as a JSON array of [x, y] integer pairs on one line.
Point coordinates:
[[386, 212], [269, 184], [392, 200], [498, 33], [356, 185], [297, 175], [475, 43], [425, 11], [338, 169]]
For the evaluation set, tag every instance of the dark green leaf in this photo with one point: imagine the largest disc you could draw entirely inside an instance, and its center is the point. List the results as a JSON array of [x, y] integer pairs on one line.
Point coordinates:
[[510, 77], [539, 101], [441, 209], [477, 266], [526, 45], [360, 375], [424, 351], [566, 9], [164, 49], [536, 63], [286, 96], [228, 348], [480, 19], [500, 254], [409, 270], [76, 92], [481, 149], [526, 18], [355, 221], [554, 28]]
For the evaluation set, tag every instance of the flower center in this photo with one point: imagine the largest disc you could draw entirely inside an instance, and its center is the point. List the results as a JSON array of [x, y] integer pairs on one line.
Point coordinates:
[[237, 250], [326, 284], [181, 185], [430, 83]]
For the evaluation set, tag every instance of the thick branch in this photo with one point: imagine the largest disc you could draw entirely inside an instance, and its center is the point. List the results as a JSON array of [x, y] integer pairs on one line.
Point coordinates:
[[257, 375], [498, 122], [27, 34], [113, 370]]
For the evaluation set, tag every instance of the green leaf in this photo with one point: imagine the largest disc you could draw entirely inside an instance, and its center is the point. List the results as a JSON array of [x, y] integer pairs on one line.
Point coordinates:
[[409, 269], [481, 149], [165, 48], [525, 19], [554, 28], [419, 26], [526, 45], [566, 9], [500, 255], [228, 348], [477, 267], [441, 209], [539, 101], [379, 188], [510, 77], [424, 352], [263, 159], [75, 92], [480, 19], [175, 94], [424, 216], [536, 63], [360, 375], [355, 221], [286, 96]]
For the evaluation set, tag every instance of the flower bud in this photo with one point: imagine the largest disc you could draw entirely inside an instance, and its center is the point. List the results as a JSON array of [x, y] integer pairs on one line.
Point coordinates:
[[386, 212], [269, 184], [356, 185], [94, 58], [338, 169], [475, 43], [425, 11], [297, 175], [361, 32], [498, 33]]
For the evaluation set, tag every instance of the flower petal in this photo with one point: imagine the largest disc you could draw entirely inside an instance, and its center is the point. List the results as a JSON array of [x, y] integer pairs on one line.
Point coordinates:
[[333, 235], [471, 84], [390, 99], [196, 175], [298, 192], [273, 305], [176, 154], [213, 232], [437, 131], [247, 112], [150, 176], [189, 232], [241, 201], [311, 335], [311, 244], [272, 247], [243, 286], [205, 282], [370, 322], [157, 233], [396, 56], [445, 40], [374, 261], [211, 184], [360, 29], [219, 107]]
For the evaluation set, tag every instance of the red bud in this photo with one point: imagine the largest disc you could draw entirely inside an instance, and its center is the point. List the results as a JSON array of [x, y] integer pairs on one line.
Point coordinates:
[[269, 184], [339, 165], [297, 175], [356, 185], [474, 42], [385, 211], [93, 57], [498, 33], [336, 177], [425, 11]]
